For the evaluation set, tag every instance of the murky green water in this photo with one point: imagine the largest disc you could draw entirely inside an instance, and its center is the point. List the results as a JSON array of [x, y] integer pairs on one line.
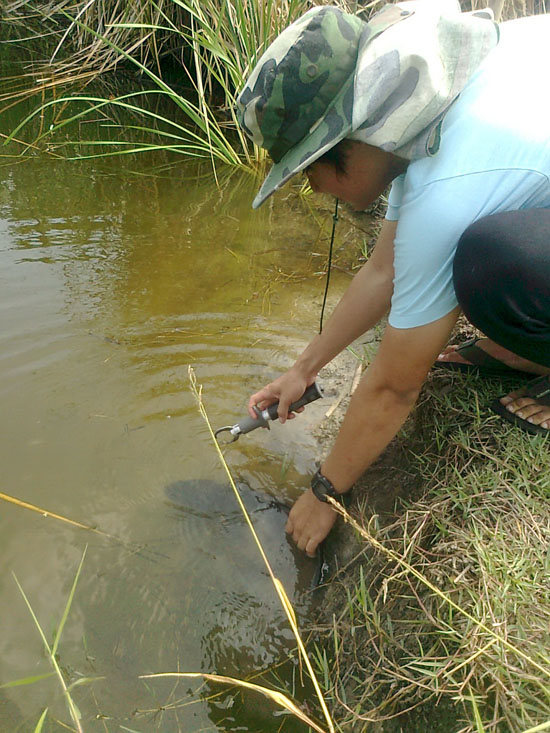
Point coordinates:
[[112, 284]]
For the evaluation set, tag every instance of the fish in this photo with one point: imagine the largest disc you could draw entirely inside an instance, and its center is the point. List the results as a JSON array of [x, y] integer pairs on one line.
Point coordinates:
[[217, 505]]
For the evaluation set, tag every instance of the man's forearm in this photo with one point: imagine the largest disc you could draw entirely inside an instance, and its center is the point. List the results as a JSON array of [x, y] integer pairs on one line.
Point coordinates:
[[372, 420], [377, 410], [384, 398]]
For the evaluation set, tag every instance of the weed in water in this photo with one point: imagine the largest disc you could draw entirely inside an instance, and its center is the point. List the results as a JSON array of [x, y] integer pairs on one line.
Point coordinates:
[[51, 652]]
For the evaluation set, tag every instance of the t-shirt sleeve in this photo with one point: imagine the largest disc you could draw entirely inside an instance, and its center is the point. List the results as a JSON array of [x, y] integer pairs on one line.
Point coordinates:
[[430, 223], [431, 219]]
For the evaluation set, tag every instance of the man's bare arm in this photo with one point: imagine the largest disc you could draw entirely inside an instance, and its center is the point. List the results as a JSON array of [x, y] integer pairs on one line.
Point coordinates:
[[377, 410]]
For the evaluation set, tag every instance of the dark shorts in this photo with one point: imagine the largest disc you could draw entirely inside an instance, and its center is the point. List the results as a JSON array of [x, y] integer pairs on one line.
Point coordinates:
[[502, 280]]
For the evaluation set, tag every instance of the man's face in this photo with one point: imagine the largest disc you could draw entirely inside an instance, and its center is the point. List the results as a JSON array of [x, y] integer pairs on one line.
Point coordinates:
[[369, 171]]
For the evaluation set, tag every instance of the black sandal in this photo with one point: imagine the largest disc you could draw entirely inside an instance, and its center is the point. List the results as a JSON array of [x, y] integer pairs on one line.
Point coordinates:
[[538, 389], [482, 363]]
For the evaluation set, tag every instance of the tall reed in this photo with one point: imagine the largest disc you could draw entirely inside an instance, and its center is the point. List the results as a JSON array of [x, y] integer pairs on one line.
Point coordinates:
[[219, 42]]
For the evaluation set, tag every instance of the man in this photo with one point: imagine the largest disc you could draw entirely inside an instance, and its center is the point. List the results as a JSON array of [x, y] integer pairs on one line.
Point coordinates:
[[432, 100]]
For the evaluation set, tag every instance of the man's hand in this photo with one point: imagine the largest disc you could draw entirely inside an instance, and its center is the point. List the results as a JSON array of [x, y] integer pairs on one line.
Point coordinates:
[[286, 389], [310, 521]]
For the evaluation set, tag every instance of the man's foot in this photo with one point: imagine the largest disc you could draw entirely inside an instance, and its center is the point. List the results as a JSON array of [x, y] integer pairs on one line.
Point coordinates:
[[529, 407], [485, 356]]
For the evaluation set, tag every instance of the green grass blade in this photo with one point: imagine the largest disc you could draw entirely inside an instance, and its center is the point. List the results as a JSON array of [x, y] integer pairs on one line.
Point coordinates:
[[84, 681], [33, 615], [41, 721], [27, 680], [538, 728], [480, 728], [149, 26], [68, 605], [73, 710]]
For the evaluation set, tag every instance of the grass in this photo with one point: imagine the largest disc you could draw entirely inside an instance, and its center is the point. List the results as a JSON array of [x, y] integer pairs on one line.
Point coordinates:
[[220, 43], [215, 44], [58, 43], [449, 603], [51, 650]]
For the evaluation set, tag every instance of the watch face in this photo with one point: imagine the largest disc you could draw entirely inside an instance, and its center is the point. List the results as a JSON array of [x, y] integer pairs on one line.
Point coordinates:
[[322, 488], [319, 491]]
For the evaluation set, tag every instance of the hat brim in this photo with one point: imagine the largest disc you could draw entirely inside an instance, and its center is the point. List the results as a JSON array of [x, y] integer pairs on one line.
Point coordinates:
[[333, 127]]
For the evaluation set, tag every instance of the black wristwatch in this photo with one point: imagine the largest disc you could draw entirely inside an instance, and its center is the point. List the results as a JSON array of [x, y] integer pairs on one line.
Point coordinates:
[[322, 487]]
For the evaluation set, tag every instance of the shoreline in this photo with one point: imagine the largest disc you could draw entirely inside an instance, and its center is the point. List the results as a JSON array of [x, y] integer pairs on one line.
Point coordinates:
[[451, 495]]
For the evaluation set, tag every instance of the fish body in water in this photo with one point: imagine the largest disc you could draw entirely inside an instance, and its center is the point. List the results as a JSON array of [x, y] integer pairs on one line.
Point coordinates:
[[216, 505], [247, 618]]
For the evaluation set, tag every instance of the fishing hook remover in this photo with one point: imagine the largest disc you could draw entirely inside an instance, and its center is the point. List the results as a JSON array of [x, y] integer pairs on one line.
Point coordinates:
[[312, 393]]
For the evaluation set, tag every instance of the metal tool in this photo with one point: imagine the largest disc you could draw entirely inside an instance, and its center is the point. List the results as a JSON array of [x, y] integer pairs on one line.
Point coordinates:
[[312, 393]]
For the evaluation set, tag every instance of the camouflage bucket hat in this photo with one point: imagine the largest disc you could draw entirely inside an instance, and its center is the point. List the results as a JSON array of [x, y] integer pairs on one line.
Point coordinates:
[[331, 75], [298, 101]]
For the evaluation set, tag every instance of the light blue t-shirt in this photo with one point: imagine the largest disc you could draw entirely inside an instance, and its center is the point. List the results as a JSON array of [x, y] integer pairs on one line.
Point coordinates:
[[494, 157]]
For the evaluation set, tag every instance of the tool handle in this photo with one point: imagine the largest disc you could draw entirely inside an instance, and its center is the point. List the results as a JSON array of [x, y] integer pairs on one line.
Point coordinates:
[[312, 393]]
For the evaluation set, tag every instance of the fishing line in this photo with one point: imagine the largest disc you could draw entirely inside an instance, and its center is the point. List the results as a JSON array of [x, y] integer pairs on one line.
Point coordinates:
[[329, 264]]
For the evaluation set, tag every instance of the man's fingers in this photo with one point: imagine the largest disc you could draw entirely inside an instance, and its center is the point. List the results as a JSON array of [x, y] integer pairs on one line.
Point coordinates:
[[311, 547], [309, 522], [282, 410], [261, 399], [263, 395], [307, 544]]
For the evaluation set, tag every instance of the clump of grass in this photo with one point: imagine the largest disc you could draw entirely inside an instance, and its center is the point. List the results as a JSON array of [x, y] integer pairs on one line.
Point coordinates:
[[48, 30], [51, 650], [450, 603], [219, 42]]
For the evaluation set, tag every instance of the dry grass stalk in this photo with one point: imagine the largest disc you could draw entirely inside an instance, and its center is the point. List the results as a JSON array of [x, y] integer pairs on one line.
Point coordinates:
[[285, 601]]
